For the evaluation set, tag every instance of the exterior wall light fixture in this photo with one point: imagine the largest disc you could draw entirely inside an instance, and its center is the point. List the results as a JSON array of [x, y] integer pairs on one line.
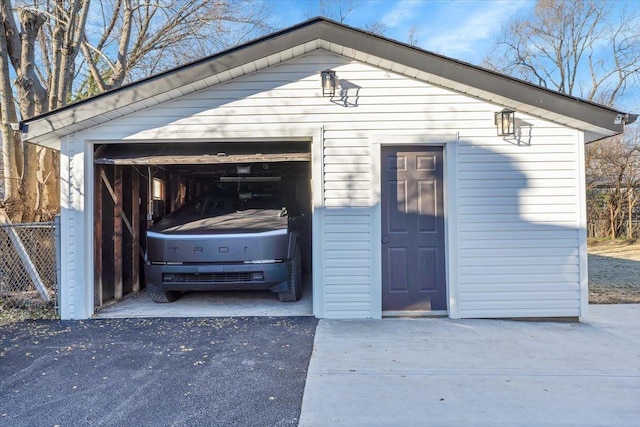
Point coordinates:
[[505, 121], [329, 82]]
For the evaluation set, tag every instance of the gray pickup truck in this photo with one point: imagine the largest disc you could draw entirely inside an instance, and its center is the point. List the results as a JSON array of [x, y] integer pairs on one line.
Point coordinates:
[[217, 243]]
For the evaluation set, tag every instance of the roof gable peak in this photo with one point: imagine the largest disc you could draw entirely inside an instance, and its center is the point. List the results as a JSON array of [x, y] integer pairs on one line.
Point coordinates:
[[323, 33]]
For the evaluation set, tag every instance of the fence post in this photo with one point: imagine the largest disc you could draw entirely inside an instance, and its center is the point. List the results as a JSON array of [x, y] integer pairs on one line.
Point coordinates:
[[24, 257], [56, 234]]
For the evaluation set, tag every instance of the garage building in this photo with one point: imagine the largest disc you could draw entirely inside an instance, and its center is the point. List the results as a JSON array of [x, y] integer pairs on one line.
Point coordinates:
[[433, 186]]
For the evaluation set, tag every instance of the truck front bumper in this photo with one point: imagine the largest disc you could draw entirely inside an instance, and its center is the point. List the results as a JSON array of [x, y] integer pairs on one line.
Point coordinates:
[[210, 277]]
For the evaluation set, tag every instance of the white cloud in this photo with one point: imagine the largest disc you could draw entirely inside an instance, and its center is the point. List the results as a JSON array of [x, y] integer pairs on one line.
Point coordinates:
[[404, 10], [471, 26]]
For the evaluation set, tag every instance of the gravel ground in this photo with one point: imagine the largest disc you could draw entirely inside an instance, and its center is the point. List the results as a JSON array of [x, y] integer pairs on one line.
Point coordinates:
[[155, 372], [614, 273]]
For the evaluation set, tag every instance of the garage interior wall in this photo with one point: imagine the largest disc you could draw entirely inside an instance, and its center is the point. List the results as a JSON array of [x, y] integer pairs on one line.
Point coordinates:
[[119, 218]]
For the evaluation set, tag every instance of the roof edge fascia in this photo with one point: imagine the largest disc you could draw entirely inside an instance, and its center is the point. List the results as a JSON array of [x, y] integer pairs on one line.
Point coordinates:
[[483, 79], [147, 87], [362, 41]]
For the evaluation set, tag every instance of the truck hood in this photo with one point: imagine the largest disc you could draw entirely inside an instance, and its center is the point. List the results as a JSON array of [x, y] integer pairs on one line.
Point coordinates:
[[246, 221]]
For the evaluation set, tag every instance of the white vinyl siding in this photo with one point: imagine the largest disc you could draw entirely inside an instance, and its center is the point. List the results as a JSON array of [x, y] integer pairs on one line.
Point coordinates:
[[517, 209], [76, 287], [518, 217]]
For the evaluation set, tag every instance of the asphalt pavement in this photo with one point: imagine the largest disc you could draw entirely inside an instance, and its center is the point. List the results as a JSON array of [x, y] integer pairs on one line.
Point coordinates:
[[255, 371], [155, 372]]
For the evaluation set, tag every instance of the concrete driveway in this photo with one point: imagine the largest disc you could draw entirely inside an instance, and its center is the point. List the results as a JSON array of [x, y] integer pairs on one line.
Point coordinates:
[[214, 304], [443, 372], [252, 371]]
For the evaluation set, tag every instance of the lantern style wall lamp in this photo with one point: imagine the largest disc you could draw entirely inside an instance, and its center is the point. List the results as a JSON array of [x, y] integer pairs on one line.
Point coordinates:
[[329, 82], [505, 121]]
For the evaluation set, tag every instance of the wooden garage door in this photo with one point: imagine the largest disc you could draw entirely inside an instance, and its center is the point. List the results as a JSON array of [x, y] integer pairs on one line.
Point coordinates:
[[413, 259]]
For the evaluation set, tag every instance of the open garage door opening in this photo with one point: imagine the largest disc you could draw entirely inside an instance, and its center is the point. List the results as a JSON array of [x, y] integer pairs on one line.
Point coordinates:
[[191, 218]]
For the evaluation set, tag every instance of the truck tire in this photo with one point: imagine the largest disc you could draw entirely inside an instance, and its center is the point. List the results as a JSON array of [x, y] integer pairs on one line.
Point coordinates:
[[163, 297], [295, 279]]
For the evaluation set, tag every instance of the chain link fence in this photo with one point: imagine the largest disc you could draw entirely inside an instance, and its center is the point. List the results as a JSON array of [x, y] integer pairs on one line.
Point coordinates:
[[28, 267]]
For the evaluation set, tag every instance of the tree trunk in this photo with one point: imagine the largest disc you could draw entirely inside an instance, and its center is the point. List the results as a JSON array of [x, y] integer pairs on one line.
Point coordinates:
[[11, 161], [631, 202], [612, 222], [48, 183], [32, 101], [11, 148], [29, 191], [39, 46]]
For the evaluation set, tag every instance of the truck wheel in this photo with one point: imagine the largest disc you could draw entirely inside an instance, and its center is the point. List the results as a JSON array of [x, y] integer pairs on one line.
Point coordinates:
[[163, 297], [295, 279]]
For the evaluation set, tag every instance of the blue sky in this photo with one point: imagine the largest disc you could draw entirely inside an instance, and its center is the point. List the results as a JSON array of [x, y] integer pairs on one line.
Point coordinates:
[[461, 29]]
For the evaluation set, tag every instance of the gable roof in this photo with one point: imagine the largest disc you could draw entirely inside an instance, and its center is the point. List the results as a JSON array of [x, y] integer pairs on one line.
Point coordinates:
[[320, 33]]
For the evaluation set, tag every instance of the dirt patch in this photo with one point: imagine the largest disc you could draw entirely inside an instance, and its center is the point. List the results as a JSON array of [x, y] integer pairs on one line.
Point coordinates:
[[614, 273], [19, 306]]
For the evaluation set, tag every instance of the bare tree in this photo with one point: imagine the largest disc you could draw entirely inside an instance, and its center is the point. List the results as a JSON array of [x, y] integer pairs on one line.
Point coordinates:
[[338, 10], [376, 27], [141, 38], [578, 47], [584, 48], [341, 10], [412, 38], [22, 180], [53, 52], [613, 181]]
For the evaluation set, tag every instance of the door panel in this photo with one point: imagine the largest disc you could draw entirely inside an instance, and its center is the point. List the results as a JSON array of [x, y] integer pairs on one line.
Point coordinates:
[[427, 269], [427, 206], [399, 276], [413, 262], [398, 216]]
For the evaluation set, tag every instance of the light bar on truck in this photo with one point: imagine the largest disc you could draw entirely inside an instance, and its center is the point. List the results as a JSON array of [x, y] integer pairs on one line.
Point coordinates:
[[263, 261], [250, 178]]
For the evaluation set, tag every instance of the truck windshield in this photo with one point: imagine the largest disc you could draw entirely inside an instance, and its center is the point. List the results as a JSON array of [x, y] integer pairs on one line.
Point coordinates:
[[205, 207]]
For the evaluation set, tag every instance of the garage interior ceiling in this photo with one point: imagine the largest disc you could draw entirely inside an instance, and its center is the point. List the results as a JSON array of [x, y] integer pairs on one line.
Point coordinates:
[[201, 153]]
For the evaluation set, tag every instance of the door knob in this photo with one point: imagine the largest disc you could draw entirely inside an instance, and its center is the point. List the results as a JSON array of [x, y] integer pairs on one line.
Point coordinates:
[[385, 240]]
